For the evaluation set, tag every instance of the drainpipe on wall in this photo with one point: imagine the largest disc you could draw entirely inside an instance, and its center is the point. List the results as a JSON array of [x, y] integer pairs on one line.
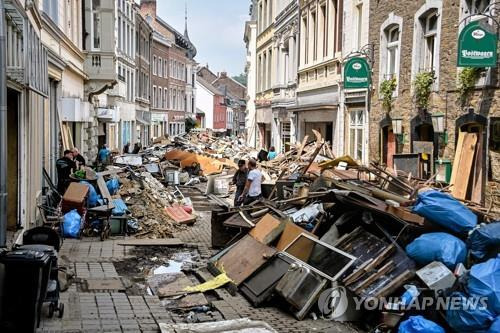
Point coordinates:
[[3, 129]]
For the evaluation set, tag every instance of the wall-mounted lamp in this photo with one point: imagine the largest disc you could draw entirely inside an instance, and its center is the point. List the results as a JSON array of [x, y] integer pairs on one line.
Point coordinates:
[[397, 128], [438, 126]]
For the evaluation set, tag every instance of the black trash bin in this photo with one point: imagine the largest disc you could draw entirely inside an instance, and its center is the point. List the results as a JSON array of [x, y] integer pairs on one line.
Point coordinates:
[[23, 289]]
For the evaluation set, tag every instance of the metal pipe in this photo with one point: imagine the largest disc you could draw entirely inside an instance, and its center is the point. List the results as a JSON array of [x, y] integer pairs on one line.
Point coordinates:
[[3, 128]]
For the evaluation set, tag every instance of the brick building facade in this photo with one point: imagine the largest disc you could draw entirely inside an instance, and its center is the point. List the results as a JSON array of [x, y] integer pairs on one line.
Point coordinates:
[[410, 37]]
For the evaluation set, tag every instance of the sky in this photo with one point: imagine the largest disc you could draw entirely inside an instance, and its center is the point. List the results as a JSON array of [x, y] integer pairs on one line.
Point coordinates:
[[216, 28]]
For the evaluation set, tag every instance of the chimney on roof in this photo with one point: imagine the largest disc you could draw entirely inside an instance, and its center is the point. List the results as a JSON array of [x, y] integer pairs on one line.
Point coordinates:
[[223, 75]]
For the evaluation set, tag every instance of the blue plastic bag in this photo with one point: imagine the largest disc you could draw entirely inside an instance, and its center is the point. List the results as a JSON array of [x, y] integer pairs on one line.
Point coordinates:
[[418, 324], [120, 207], [71, 224], [484, 238], [484, 280], [437, 246], [113, 185], [469, 316], [92, 200], [444, 210], [495, 327]]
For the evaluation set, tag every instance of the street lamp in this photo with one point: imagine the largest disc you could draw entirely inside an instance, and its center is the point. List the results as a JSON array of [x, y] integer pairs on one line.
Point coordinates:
[[397, 128], [438, 122], [438, 126], [397, 125]]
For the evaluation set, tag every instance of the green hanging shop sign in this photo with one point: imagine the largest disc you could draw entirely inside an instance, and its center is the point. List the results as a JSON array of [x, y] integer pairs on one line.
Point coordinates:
[[477, 45], [356, 73]]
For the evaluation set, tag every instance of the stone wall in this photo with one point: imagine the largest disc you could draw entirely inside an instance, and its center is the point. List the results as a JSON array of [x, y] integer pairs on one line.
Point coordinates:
[[445, 99]]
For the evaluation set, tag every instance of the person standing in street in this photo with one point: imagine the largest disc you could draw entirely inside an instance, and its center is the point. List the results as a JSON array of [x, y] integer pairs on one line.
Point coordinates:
[[137, 149], [253, 186], [78, 158], [103, 154], [240, 179], [126, 148], [65, 166], [272, 154]]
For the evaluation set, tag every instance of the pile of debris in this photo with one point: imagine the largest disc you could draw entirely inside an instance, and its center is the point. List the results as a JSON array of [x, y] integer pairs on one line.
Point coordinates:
[[338, 240]]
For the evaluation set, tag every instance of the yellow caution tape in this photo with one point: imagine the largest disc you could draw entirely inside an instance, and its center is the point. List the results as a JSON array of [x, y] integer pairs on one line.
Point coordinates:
[[215, 283]]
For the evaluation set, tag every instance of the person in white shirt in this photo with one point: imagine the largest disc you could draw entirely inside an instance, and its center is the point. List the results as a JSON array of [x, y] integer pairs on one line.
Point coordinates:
[[253, 186]]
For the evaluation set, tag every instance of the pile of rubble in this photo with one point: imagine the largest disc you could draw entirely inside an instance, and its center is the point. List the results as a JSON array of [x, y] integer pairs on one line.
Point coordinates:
[[348, 242]]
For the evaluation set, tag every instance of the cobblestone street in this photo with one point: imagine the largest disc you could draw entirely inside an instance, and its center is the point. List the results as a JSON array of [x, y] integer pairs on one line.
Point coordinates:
[[112, 311]]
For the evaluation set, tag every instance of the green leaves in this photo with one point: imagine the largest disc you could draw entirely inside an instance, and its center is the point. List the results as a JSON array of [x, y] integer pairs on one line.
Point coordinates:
[[423, 88], [466, 82], [387, 88]]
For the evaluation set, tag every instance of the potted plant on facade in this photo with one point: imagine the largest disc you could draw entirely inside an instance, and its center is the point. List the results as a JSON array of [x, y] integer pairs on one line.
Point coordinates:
[[466, 83], [423, 88], [387, 88]]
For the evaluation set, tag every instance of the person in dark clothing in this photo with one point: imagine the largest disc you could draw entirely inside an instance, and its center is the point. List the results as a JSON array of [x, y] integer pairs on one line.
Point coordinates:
[[240, 179], [78, 158], [126, 148], [65, 166], [137, 149]]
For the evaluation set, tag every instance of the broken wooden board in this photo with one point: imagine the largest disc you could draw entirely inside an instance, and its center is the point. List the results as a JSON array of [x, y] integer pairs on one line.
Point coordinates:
[[173, 286], [179, 215], [152, 242], [103, 188], [105, 284], [459, 188], [477, 193], [244, 258], [267, 229], [290, 233], [456, 160], [406, 215]]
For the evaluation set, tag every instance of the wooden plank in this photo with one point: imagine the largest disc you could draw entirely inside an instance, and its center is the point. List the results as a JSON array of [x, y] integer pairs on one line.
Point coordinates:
[[101, 185], [289, 234], [458, 154], [152, 242], [477, 193], [395, 283], [244, 258], [169, 288], [459, 189], [267, 229]]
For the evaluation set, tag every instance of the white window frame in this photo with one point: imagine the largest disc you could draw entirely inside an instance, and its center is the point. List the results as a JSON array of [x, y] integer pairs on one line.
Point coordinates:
[[419, 51], [160, 67], [94, 13], [390, 24], [154, 97], [356, 126], [165, 98], [392, 48], [154, 65]]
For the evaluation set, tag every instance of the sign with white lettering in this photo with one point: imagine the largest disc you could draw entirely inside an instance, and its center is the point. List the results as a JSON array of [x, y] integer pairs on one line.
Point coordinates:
[[356, 73], [477, 45]]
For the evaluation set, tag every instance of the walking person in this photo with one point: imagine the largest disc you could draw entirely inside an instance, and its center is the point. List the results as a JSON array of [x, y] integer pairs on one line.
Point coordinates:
[[103, 155], [65, 166], [240, 179], [253, 186]]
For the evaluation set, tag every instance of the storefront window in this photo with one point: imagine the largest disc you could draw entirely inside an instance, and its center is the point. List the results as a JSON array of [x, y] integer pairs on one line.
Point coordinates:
[[357, 134]]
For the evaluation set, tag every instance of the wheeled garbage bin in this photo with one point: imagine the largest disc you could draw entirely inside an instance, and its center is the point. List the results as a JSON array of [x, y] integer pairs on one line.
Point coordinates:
[[25, 273]]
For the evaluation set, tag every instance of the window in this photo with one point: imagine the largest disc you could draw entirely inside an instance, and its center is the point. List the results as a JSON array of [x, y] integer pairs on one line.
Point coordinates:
[[477, 6], [119, 33], [160, 66], [165, 68], [165, 98], [314, 36], [285, 134], [430, 31], [392, 35], [154, 97], [359, 25], [96, 24], [357, 135], [154, 65], [304, 41], [160, 98], [324, 29], [50, 7]]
